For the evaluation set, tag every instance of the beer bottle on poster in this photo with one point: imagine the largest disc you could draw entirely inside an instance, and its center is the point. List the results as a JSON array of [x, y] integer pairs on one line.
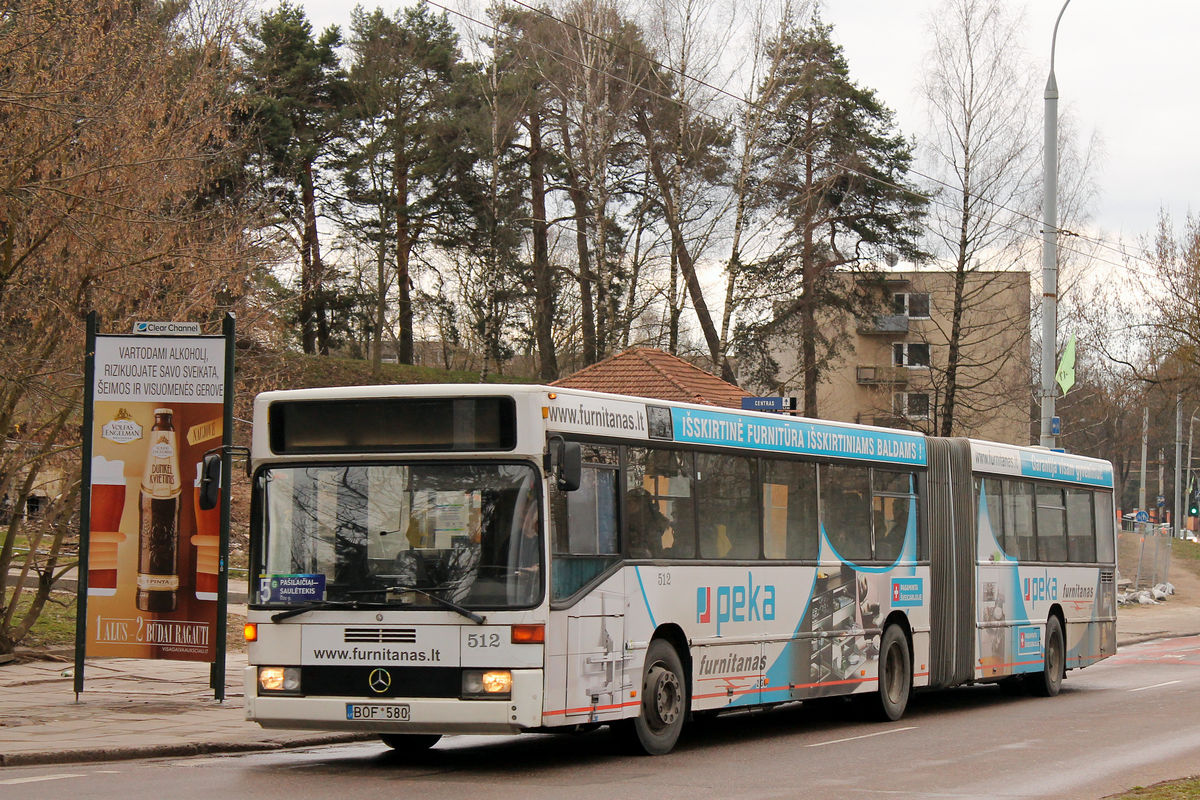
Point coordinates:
[[158, 538]]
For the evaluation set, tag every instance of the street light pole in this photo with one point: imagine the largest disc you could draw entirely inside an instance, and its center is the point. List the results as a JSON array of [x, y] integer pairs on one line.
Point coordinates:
[[1050, 244], [1177, 515]]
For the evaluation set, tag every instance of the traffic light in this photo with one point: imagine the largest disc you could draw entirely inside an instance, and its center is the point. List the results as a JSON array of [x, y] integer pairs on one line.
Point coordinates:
[[1194, 499]]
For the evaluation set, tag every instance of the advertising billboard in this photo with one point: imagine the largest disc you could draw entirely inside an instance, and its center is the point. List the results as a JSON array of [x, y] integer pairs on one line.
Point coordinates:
[[153, 555]]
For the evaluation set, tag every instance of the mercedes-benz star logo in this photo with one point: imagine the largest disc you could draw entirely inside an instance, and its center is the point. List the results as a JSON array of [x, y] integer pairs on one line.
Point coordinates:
[[380, 680]]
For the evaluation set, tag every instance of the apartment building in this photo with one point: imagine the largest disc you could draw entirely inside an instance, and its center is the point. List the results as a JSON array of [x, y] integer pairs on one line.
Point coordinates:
[[894, 369]]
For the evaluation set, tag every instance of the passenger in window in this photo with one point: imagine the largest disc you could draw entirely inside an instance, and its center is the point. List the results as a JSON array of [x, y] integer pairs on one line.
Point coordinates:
[[649, 529]]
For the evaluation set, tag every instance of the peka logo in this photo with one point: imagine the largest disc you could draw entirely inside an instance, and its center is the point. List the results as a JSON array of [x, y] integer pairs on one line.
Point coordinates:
[[1042, 588], [735, 603]]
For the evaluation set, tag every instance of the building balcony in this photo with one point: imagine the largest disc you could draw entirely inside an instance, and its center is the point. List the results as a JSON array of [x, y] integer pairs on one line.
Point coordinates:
[[880, 376], [884, 325]]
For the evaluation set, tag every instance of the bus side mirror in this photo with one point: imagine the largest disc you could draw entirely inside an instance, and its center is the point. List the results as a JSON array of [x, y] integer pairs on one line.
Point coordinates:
[[210, 481], [565, 462]]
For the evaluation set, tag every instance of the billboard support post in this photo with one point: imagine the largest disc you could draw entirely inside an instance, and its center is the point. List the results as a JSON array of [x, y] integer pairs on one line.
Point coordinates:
[[85, 503]]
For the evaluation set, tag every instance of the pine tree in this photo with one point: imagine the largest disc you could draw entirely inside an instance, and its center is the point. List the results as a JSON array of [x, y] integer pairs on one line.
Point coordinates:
[[297, 90], [834, 169], [408, 140]]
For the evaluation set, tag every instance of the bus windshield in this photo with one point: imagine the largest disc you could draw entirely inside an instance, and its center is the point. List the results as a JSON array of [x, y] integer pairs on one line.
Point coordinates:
[[398, 533]]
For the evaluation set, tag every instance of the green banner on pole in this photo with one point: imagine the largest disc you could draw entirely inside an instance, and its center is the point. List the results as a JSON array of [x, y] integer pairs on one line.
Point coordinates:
[[1066, 368]]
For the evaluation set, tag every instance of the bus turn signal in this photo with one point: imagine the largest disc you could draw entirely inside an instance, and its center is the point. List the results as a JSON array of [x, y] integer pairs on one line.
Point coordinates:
[[528, 634]]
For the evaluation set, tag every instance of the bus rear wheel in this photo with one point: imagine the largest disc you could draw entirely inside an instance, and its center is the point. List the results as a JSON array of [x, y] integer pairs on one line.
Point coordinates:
[[895, 673], [664, 700], [1048, 682], [410, 742]]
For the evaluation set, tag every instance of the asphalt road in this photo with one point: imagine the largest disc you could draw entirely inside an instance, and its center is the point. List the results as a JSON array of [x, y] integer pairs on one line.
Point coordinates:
[[1132, 720]]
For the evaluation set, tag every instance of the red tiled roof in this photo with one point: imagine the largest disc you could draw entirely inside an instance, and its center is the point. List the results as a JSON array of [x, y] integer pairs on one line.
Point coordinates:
[[646, 372]]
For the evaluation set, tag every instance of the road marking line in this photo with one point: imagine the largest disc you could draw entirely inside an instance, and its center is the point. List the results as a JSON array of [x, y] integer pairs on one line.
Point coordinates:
[[36, 778], [1155, 686], [864, 736]]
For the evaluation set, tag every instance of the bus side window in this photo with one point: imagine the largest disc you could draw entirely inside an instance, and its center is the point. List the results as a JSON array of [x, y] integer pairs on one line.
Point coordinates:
[[1081, 530], [790, 509], [1105, 521], [993, 497], [584, 524], [658, 503], [846, 510], [893, 502], [1018, 519], [726, 513], [1051, 524]]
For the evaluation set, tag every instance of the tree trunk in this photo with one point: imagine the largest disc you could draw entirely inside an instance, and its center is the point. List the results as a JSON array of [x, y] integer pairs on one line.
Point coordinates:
[[404, 243], [587, 308], [808, 329], [380, 308], [579, 201], [686, 264], [310, 270], [543, 276], [956, 316]]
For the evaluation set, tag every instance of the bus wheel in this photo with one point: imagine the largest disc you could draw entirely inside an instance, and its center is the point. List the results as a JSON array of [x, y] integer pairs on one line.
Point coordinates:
[[1048, 682], [664, 700], [410, 742], [895, 673]]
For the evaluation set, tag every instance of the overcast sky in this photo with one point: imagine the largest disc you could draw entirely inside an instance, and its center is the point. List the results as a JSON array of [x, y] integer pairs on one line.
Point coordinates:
[[1129, 72]]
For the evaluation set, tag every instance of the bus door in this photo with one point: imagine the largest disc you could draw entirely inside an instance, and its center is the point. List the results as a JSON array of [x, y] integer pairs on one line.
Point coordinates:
[[584, 547], [595, 657]]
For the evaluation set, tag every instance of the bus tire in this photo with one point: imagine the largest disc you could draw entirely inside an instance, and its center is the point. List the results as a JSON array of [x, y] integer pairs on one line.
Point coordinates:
[[895, 673], [1048, 682], [664, 700], [405, 743]]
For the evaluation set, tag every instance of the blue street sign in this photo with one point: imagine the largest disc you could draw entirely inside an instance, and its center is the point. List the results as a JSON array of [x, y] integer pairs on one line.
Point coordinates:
[[1055, 426], [1141, 516], [768, 403]]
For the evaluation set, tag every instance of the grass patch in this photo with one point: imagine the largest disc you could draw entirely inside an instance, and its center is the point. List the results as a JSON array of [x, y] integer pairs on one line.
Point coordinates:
[[1186, 551], [1184, 789], [55, 626]]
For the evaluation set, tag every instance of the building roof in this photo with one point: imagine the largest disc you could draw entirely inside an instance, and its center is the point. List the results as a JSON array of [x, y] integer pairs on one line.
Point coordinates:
[[646, 372]]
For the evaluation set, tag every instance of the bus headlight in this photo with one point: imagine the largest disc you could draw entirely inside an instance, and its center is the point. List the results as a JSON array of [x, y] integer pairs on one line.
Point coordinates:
[[279, 680], [486, 684]]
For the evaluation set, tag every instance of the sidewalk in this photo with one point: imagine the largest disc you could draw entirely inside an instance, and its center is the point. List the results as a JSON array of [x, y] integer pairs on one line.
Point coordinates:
[[130, 708], [133, 708]]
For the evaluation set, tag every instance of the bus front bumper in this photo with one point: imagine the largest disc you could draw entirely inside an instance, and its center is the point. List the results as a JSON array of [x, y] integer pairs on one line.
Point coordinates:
[[422, 714]]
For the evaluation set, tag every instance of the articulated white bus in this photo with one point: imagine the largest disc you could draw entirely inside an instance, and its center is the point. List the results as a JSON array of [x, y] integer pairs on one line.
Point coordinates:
[[441, 559]]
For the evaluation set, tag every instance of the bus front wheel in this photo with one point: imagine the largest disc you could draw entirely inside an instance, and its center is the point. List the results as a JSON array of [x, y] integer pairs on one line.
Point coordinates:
[[664, 700], [1048, 682], [895, 673]]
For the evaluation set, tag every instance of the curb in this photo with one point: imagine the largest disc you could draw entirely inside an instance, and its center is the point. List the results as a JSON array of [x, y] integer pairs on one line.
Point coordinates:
[[43, 757], [1138, 638]]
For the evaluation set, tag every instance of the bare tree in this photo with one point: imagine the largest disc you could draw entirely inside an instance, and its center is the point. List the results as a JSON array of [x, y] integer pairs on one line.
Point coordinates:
[[980, 146], [593, 74], [117, 180]]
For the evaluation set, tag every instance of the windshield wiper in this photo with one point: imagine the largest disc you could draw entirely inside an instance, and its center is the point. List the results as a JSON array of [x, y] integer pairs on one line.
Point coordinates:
[[450, 604], [316, 604]]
